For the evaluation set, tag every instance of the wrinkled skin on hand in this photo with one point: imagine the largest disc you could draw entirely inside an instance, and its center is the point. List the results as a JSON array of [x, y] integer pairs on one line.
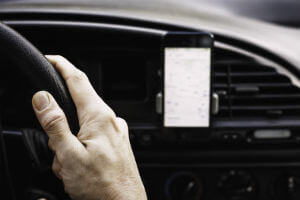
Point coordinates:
[[98, 163]]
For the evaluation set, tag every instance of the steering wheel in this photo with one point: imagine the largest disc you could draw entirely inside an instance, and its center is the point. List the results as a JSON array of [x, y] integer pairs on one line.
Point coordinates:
[[35, 67], [38, 70]]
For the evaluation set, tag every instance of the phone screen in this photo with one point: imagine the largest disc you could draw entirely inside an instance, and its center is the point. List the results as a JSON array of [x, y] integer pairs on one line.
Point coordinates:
[[187, 85]]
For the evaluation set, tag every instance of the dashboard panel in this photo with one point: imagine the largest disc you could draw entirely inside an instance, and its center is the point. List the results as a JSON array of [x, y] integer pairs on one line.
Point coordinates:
[[252, 151]]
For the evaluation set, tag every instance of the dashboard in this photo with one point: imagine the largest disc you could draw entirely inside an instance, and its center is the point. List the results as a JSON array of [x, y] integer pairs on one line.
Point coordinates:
[[252, 151]]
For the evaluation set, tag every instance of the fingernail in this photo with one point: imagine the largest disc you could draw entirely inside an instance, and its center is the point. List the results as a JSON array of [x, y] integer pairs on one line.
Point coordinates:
[[40, 100]]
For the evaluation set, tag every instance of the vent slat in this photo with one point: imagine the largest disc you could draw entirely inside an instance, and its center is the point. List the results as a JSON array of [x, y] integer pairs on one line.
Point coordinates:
[[267, 96], [282, 107], [274, 92], [267, 85], [246, 74]]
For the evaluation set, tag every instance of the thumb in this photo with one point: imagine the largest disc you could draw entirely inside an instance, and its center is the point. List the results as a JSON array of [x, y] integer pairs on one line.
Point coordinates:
[[52, 119]]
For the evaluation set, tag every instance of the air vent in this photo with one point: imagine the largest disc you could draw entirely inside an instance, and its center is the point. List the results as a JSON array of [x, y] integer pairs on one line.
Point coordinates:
[[248, 90]]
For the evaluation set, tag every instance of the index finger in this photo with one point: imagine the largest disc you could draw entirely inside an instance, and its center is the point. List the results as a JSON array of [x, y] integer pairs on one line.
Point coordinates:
[[83, 94]]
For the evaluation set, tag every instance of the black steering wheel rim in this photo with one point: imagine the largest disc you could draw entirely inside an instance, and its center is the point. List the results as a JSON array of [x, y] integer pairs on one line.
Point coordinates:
[[36, 68]]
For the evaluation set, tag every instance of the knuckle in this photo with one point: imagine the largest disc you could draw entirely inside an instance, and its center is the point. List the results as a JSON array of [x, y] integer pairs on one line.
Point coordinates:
[[78, 76], [122, 123], [52, 123], [59, 59], [109, 116]]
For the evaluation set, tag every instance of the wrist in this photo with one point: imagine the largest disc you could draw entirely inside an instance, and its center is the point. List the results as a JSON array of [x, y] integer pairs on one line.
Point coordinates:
[[125, 191]]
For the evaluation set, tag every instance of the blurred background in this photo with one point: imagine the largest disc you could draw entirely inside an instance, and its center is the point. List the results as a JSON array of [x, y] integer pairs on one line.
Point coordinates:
[[283, 12]]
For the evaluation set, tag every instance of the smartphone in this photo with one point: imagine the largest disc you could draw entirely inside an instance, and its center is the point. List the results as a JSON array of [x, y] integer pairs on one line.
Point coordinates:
[[187, 80]]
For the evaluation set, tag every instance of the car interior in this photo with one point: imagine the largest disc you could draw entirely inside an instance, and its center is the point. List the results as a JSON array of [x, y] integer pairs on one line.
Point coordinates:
[[249, 148]]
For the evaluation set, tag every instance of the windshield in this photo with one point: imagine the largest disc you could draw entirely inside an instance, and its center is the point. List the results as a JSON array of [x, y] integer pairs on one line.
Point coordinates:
[[284, 12]]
